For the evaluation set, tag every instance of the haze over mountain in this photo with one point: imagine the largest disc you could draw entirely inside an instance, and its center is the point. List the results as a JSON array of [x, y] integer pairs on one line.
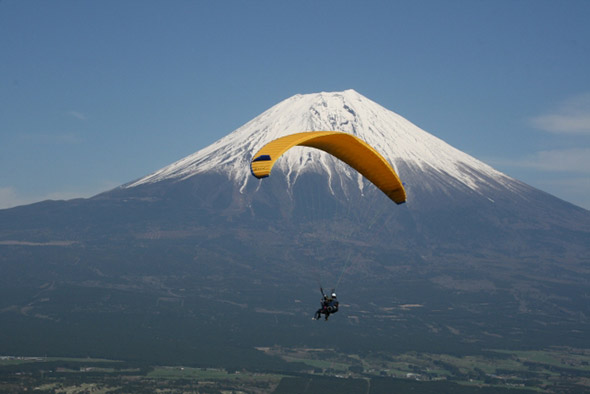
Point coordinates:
[[201, 256]]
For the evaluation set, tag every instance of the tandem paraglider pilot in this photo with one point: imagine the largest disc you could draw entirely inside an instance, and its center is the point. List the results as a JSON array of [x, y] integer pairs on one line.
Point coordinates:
[[329, 304]]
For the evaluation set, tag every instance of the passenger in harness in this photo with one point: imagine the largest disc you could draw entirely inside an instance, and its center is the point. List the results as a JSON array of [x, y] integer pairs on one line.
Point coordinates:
[[329, 304]]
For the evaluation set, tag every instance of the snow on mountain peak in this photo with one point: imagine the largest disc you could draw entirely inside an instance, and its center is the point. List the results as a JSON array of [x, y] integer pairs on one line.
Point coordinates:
[[397, 139]]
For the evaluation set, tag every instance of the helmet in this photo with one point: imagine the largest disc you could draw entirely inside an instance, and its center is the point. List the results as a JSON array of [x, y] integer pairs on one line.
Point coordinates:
[[333, 295]]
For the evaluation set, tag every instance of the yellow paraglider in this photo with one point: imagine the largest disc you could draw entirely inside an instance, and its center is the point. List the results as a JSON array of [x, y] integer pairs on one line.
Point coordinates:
[[346, 147]]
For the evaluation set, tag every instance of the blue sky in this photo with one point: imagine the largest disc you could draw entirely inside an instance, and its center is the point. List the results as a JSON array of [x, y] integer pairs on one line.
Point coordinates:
[[94, 94]]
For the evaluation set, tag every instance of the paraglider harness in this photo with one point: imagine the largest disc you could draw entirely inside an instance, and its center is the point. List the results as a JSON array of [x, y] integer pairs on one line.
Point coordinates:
[[329, 304]]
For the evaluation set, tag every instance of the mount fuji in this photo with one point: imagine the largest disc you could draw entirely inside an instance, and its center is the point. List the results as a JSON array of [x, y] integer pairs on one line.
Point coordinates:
[[450, 193], [403, 143], [474, 260]]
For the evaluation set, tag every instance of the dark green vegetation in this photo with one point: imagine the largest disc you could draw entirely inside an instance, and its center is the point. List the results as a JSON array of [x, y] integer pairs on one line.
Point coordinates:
[[171, 301], [442, 336], [317, 370]]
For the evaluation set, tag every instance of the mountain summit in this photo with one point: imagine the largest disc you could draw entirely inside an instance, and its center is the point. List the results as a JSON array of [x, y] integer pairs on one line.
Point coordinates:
[[410, 150]]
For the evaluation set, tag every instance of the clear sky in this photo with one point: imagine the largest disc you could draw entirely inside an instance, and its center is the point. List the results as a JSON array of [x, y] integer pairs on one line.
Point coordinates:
[[94, 94]]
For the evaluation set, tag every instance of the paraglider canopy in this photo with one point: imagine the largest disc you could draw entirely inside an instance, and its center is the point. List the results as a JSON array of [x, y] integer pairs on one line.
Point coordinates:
[[346, 147]]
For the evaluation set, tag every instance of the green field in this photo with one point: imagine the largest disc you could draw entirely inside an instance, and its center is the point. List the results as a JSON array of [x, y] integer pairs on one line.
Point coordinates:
[[556, 370]]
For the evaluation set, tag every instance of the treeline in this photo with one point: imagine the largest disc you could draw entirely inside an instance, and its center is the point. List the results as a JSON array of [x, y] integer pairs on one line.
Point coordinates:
[[332, 385]]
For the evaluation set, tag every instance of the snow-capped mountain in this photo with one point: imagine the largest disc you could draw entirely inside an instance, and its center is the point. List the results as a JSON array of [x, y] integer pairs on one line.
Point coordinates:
[[452, 198], [411, 150]]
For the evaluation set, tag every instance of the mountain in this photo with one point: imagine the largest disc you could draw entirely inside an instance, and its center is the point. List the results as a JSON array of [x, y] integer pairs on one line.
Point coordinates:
[[403, 143], [446, 188], [201, 262]]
